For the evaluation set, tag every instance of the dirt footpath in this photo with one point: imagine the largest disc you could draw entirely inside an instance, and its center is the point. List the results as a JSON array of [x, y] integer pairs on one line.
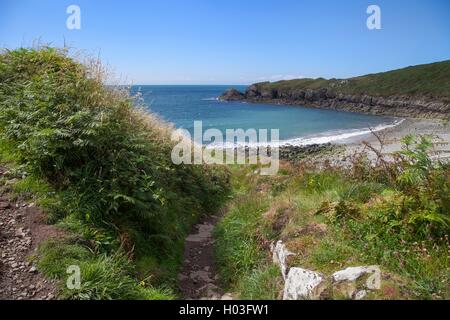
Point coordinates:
[[199, 278], [22, 229]]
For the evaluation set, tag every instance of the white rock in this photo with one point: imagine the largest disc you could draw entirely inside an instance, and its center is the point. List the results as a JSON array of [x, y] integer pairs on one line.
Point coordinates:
[[280, 254], [354, 273], [302, 284], [344, 281]]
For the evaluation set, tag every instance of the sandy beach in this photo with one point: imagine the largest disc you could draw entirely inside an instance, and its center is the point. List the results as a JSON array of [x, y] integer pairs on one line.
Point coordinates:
[[438, 130]]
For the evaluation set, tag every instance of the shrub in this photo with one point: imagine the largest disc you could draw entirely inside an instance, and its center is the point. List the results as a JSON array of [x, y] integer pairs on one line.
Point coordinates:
[[80, 135], [106, 159], [392, 213], [421, 202], [426, 187]]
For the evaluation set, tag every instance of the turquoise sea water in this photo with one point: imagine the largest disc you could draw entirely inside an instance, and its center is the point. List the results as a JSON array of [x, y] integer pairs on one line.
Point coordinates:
[[182, 105]]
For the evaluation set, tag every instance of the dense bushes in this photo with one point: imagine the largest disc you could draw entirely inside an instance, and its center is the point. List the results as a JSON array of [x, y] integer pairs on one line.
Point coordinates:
[[420, 197], [393, 213], [108, 161]]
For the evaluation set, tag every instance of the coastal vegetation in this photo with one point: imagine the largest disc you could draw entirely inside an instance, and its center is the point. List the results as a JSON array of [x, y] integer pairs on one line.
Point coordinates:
[[101, 169], [421, 91], [429, 80], [394, 214]]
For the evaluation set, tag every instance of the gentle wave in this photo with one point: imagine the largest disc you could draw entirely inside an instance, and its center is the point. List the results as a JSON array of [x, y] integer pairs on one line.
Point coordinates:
[[338, 135], [304, 141], [210, 99]]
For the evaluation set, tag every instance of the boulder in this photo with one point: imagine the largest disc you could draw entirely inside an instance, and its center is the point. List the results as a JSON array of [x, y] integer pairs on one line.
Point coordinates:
[[353, 282], [280, 255], [302, 284], [232, 95], [354, 273]]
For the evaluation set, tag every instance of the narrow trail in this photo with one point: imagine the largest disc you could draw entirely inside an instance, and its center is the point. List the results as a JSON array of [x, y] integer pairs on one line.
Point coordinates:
[[22, 229], [199, 279]]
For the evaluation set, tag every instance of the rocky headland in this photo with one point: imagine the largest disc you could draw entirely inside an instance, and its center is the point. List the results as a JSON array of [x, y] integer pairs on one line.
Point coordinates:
[[421, 91], [327, 98]]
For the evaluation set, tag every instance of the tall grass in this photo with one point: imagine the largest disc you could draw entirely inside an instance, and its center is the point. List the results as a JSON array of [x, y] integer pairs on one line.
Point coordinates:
[[394, 214], [106, 159]]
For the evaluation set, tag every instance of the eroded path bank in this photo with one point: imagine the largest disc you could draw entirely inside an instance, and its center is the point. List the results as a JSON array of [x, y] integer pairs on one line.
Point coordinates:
[[22, 229], [199, 278]]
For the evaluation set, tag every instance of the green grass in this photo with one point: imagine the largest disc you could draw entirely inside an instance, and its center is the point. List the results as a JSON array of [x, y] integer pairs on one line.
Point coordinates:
[[429, 80], [103, 277], [101, 168], [260, 284], [237, 249], [333, 218]]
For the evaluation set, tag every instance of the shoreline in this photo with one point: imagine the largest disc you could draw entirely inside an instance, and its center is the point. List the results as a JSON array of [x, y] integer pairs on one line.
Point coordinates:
[[439, 130], [337, 136], [341, 151]]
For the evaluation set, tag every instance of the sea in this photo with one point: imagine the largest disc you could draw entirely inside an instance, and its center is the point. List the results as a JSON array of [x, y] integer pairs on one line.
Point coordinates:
[[298, 125]]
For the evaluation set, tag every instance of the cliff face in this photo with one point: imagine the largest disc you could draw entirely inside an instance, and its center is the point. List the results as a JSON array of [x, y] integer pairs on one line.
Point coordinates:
[[327, 98]]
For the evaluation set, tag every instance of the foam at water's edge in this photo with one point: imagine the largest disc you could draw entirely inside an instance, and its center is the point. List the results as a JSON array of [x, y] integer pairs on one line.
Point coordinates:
[[339, 136], [325, 138]]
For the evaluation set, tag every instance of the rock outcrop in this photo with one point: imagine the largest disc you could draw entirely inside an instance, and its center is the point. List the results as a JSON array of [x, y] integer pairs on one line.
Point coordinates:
[[302, 284], [290, 152], [354, 282], [232, 95], [280, 255], [328, 98]]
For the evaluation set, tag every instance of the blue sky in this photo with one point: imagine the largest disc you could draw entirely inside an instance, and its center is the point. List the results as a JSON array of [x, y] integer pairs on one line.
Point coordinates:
[[236, 41]]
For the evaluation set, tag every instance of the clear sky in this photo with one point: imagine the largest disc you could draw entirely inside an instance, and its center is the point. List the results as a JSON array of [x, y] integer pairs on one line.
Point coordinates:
[[236, 41]]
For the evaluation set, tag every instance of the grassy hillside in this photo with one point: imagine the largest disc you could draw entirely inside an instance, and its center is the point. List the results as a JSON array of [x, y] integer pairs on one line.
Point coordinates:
[[429, 80], [395, 215], [102, 170]]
